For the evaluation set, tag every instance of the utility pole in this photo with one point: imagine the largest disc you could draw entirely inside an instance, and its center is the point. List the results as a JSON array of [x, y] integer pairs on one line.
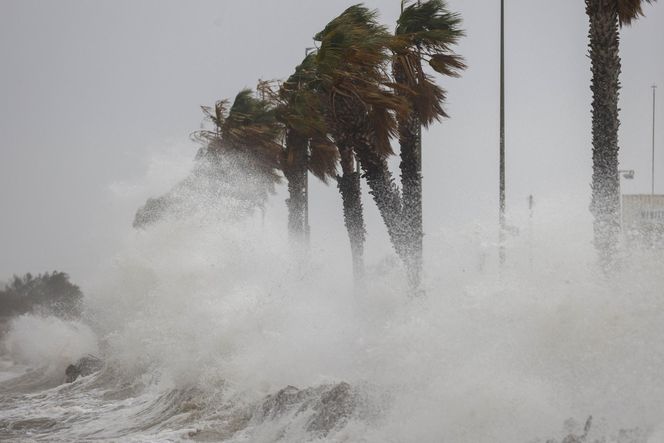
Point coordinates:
[[652, 189], [501, 216], [531, 205]]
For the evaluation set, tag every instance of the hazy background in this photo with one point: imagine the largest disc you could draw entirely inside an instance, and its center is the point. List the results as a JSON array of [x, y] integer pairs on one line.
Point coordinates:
[[97, 101]]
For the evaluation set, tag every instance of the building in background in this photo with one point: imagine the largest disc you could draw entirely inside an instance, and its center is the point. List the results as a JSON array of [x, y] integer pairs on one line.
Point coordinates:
[[643, 219]]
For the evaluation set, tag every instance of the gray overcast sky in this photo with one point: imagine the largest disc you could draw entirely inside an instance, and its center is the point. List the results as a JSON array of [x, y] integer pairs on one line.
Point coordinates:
[[91, 89]]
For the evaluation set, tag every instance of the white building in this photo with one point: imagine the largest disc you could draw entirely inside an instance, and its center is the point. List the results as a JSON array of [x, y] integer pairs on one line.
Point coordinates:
[[643, 218]]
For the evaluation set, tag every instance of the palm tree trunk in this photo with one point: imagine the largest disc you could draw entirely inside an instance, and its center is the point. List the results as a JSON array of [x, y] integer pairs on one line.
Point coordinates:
[[605, 62], [295, 171], [349, 187], [410, 133], [410, 140], [385, 193]]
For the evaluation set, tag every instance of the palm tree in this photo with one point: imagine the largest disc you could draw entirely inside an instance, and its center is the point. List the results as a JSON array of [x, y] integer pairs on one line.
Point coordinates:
[[360, 107], [425, 31], [307, 146], [244, 141], [606, 18], [300, 106]]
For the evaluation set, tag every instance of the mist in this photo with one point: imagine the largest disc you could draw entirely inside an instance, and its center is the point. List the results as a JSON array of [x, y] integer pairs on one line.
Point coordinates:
[[208, 323]]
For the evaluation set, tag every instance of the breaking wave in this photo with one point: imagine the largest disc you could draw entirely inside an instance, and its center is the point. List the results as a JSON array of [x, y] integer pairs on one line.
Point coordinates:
[[211, 329]]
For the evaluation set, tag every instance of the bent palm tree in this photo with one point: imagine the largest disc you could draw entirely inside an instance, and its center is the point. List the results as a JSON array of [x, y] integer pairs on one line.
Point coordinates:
[[606, 17], [244, 139], [360, 106], [307, 146], [425, 31], [300, 107]]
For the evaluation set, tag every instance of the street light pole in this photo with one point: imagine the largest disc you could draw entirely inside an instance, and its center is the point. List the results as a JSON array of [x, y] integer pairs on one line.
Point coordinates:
[[501, 216], [652, 190]]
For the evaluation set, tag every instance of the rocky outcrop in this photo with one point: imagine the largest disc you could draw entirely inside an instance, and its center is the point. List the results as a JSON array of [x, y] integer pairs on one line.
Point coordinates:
[[329, 406], [576, 435], [85, 366], [291, 412]]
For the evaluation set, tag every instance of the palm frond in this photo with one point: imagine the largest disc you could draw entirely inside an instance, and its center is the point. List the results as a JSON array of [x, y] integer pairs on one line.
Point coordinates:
[[297, 105], [630, 10], [449, 65], [428, 101], [354, 15], [249, 129], [426, 32], [352, 65], [323, 158], [384, 127], [430, 25], [353, 41]]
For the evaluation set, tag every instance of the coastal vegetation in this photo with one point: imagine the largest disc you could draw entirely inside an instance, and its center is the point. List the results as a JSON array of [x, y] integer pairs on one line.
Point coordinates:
[[48, 293]]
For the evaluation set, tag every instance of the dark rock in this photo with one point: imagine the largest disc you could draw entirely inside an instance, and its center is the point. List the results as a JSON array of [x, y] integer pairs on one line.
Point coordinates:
[[283, 401], [334, 408], [33, 424], [85, 366], [635, 435], [330, 406]]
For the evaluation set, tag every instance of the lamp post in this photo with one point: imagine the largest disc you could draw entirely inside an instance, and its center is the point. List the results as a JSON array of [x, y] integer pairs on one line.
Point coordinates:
[[652, 189], [501, 193]]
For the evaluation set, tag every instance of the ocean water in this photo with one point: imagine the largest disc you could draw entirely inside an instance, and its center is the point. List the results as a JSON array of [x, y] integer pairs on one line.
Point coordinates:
[[211, 329]]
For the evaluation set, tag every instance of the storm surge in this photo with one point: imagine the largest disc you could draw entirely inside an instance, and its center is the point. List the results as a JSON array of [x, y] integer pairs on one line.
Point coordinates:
[[212, 328]]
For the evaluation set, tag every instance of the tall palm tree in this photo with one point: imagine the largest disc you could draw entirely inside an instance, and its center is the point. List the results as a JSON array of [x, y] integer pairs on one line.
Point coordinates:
[[606, 17], [425, 32], [360, 107], [300, 105], [307, 146]]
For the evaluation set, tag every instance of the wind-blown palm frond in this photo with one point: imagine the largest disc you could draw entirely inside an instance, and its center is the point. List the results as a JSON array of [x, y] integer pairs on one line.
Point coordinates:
[[249, 129], [215, 114], [323, 158], [426, 31], [303, 112], [430, 25], [630, 10], [361, 109], [298, 107], [354, 15], [351, 65]]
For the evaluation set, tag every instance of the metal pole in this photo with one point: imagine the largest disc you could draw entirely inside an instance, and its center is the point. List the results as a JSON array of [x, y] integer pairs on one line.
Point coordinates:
[[652, 190], [501, 217], [419, 216], [531, 205]]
